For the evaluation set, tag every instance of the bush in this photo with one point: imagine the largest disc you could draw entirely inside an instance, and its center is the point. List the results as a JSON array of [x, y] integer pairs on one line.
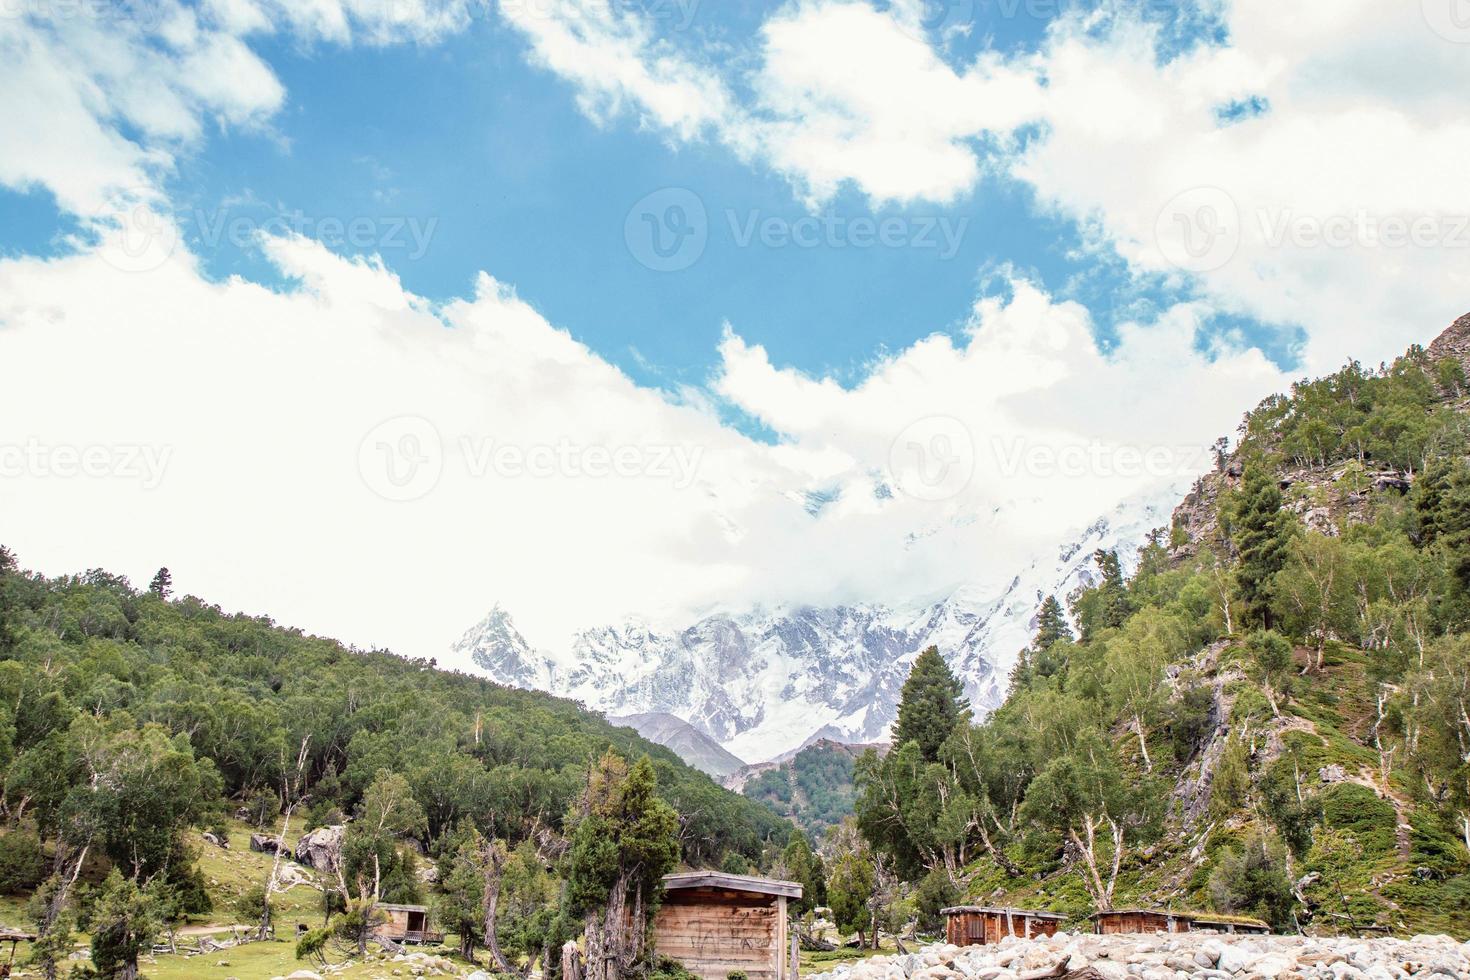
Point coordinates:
[[22, 861], [1358, 810]]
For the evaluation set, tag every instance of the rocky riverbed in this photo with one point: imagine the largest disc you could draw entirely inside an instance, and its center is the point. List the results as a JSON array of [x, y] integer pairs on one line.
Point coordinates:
[[1172, 957]]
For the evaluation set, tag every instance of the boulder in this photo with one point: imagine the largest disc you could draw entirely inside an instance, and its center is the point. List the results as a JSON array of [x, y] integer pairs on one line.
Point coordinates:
[[216, 840], [263, 843], [322, 848]]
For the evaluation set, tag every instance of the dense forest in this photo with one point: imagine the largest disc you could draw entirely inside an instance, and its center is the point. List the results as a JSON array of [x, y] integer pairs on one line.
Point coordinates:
[[814, 788], [129, 718], [1270, 718]]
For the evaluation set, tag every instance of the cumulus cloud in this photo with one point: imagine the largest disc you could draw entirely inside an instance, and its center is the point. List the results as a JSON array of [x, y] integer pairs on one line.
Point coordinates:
[[97, 100], [382, 468], [1306, 172]]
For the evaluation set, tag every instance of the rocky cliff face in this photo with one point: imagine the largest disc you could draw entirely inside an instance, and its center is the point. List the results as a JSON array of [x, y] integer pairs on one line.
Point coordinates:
[[765, 682], [1326, 498]]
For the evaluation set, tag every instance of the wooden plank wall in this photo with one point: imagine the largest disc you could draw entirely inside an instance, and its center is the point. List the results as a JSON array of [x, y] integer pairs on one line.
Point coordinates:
[[714, 933]]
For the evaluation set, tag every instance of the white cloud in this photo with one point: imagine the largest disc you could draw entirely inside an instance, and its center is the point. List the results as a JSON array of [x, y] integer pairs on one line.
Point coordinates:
[[618, 65], [843, 95], [97, 100], [269, 410], [1362, 128], [1335, 150]]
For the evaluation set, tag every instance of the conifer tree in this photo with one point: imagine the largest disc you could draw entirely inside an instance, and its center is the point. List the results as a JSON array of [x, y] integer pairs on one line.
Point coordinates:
[[162, 584], [931, 705], [1051, 624], [1261, 539]]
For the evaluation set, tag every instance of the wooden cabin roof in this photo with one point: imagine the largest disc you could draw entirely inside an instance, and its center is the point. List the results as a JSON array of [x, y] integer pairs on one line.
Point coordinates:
[[1162, 912], [986, 909], [402, 908], [734, 883], [8, 935]]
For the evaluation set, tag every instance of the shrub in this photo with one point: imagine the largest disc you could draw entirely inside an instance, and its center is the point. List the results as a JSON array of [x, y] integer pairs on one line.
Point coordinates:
[[22, 861]]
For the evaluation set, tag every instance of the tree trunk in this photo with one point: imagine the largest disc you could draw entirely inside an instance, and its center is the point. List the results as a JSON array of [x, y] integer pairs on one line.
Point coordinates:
[[571, 962], [492, 858], [1148, 764]]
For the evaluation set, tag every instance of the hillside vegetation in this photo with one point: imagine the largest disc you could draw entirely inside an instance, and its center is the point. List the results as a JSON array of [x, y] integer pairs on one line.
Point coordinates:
[[1270, 718], [131, 721]]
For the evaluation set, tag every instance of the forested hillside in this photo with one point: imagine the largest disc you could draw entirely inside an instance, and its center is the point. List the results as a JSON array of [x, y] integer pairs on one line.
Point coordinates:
[[128, 718], [814, 787], [1271, 718]]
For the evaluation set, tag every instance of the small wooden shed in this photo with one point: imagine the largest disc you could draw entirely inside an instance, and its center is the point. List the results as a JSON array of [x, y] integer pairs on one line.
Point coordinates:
[[716, 924], [1231, 924], [407, 924], [978, 925], [1138, 920]]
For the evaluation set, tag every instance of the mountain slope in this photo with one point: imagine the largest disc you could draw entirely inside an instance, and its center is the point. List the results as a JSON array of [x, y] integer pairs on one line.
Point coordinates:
[[689, 743], [766, 682], [1275, 724]]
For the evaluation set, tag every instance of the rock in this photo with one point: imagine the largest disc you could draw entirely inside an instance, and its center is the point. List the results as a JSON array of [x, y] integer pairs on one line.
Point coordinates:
[[304, 975], [216, 840], [263, 843], [322, 848], [1331, 774]]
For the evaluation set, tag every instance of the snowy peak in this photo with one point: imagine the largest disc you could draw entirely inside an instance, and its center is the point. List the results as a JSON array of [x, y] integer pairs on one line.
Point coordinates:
[[765, 682]]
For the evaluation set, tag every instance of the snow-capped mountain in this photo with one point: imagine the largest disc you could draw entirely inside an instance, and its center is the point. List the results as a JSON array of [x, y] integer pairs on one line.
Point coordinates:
[[767, 681]]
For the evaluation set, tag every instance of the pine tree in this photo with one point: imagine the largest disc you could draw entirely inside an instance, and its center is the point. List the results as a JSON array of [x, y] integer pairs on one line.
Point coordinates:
[[162, 584], [1261, 538], [1051, 624], [931, 705]]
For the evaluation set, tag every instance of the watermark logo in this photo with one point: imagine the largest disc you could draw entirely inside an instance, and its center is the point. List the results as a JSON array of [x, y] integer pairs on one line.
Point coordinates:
[[138, 463], [1199, 229], [402, 459], [933, 458], [1364, 229], [1450, 19], [941, 233], [667, 231], [132, 236]]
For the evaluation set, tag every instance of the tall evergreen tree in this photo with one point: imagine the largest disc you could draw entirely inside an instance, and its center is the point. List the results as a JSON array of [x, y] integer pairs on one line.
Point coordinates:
[[162, 584], [1261, 536], [624, 841], [931, 705], [1051, 624]]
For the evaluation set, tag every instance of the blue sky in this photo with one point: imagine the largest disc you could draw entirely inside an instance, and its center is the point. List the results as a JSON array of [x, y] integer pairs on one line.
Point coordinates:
[[377, 289], [489, 165]]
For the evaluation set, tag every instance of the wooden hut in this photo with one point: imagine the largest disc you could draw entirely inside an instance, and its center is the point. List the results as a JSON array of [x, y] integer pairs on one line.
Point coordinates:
[[1138, 920], [716, 924], [1230, 924], [406, 924], [977, 925]]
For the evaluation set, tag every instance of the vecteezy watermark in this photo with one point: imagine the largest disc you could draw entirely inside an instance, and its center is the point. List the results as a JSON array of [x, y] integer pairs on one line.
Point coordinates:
[[674, 15], [1450, 19], [404, 459], [135, 236], [678, 464], [668, 230], [1094, 459], [932, 458], [1199, 230], [1364, 229], [143, 464], [939, 232]]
